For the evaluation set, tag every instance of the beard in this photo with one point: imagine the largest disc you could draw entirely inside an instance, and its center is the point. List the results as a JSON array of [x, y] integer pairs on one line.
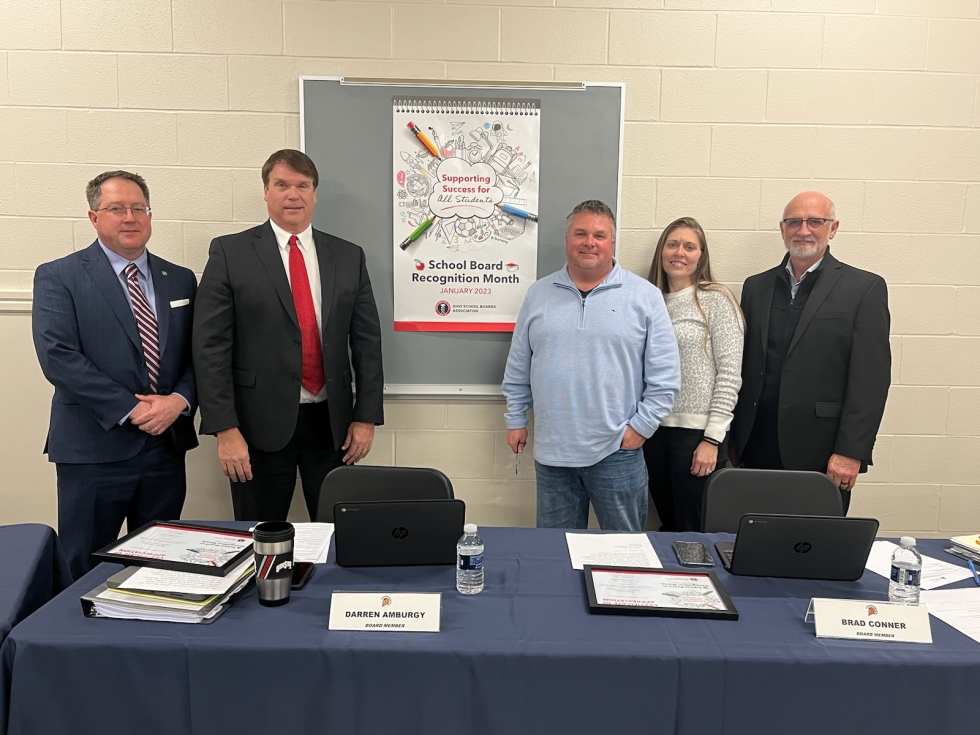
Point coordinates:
[[802, 250]]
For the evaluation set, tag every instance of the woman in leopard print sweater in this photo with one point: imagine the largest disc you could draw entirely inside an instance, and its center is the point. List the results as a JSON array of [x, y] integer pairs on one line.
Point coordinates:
[[692, 441]]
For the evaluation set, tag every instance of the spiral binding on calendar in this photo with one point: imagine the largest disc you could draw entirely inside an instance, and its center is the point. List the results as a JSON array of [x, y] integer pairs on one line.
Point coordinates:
[[458, 106]]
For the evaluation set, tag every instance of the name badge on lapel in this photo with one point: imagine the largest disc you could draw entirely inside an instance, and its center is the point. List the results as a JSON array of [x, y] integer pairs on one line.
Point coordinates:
[[179, 302]]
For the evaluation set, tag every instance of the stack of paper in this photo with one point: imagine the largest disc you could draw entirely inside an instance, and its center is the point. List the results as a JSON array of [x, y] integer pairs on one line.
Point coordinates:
[[145, 593], [967, 547]]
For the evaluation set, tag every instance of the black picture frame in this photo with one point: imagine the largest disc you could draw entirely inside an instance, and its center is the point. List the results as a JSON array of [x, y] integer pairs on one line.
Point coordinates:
[[107, 553], [729, 613]]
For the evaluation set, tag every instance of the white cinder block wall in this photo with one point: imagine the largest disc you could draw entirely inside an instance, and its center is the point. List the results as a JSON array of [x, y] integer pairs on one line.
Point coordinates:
[[732, 107]]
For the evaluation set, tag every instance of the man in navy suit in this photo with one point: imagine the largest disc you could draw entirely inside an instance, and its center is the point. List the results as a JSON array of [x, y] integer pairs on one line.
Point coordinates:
[[112, 330]]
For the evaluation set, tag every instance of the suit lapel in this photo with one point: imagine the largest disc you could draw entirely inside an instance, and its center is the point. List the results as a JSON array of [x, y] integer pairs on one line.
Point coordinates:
[[763, 307], [161, 294], [830, 272], [324, 259], [269, 253], [108, 284]]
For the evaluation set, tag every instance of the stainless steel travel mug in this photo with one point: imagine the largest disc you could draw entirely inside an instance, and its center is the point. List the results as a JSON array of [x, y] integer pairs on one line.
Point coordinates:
[[273, 544]]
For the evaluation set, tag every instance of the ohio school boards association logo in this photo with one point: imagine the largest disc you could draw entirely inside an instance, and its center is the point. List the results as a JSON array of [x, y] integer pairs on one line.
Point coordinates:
[[443, 308]]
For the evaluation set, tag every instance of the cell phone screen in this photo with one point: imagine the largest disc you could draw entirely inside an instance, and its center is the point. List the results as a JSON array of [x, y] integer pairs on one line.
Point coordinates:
[[693, 554]]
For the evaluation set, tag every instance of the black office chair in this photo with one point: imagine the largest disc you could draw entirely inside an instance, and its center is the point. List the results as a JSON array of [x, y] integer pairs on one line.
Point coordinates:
[[351, 483], [732, 492]]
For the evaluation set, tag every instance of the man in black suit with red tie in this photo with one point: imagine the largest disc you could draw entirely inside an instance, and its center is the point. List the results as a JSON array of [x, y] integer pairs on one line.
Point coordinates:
[[283, 311], [817, 363]]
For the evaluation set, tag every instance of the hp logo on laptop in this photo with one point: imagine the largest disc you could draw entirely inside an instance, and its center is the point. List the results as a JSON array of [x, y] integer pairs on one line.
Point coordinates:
[[802, 547], [399, 532]]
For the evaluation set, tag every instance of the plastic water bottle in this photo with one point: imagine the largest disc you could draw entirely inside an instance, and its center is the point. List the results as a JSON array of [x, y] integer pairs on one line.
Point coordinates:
[[469, 562], [906, 573]]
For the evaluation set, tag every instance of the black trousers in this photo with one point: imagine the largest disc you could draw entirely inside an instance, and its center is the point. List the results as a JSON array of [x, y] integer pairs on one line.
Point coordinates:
[[676, 493], [268, 495], [95, 499]]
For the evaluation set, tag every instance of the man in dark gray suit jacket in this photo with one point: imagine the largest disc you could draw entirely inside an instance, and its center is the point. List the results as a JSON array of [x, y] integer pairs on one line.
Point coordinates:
[[817, 362], [112, 330], [282, 313]]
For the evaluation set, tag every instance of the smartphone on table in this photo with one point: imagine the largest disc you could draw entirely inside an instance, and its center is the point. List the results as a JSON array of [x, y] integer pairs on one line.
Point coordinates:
[[693, 554], [302, 571]]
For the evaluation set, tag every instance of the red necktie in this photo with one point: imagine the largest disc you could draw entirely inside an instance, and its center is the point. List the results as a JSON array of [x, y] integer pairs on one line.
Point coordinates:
[[146, 323], [305, 313]]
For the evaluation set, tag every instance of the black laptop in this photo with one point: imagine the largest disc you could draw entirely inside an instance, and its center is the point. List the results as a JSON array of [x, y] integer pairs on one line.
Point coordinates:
[[387, 533], [801, 547]]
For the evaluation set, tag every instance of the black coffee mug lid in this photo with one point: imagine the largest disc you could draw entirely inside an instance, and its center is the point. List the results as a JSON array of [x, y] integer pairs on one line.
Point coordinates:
[[273, 532]]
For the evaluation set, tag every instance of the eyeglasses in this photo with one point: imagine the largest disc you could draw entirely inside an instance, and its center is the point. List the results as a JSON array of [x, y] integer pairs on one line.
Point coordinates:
[[119, 211], [814, 223]]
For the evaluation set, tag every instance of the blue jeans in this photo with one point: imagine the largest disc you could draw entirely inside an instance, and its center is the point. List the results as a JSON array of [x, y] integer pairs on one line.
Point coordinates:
[[616, 485]]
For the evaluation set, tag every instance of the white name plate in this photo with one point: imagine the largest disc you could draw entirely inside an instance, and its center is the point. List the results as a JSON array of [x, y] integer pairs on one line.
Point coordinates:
[[865, 620], [415, 612]]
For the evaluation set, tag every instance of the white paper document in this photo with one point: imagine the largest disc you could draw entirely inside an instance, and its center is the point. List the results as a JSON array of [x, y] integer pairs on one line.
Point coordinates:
[[935, 573], [959, 609], [164, 580], [614, 549], [312, 542]]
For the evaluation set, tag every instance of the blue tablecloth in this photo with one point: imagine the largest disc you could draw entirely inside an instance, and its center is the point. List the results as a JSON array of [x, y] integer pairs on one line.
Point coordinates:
[[524, 656], [32, 571]]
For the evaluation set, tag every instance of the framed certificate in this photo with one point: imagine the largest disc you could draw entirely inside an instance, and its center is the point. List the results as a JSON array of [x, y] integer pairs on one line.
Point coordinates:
[[181, 547], [678, 593]]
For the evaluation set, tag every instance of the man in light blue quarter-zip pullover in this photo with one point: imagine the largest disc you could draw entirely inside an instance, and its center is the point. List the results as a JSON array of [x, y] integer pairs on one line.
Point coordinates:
[[594, 354]]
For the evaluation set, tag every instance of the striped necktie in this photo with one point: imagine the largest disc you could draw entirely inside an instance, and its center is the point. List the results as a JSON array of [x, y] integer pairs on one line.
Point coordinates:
[[146, 323]]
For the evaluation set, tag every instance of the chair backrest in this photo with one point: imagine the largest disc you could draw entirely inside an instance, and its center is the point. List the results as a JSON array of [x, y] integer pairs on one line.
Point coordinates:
[[351, 483], [732, 492]]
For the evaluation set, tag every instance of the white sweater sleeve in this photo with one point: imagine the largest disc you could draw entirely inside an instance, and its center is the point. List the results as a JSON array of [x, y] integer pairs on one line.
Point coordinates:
[[727, 340]]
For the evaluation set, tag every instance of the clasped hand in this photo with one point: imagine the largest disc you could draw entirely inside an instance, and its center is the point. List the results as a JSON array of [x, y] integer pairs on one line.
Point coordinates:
[[155, 413]]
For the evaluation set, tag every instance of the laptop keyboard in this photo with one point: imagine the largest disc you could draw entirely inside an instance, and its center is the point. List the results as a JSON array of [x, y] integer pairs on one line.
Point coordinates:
[[726, 550]]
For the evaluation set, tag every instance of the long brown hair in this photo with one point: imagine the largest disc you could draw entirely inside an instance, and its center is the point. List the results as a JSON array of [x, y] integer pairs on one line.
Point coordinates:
[[702, 272]]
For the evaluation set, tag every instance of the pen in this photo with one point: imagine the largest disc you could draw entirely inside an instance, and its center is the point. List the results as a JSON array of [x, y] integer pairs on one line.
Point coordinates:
[[515, 212], [423, 140], [976, 578], [417, 233]]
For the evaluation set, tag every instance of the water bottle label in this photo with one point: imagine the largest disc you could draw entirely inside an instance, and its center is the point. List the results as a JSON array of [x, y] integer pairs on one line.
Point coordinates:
[[471, 562], [912, 576]]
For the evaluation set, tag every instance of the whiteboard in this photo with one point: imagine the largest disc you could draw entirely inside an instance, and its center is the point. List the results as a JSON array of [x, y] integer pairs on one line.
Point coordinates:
[[345, 127]]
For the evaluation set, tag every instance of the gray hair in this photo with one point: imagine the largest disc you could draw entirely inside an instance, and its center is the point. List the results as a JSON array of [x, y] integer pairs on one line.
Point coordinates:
[[592, 206], [93, 190]]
